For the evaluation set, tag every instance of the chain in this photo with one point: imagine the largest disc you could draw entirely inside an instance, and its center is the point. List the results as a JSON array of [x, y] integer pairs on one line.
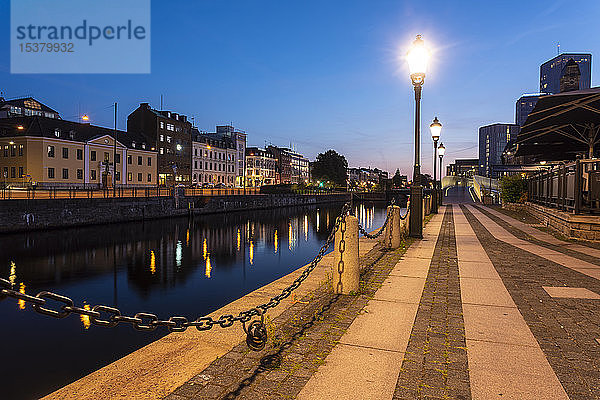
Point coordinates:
[[107, 316], [388, 218], [341, 249]]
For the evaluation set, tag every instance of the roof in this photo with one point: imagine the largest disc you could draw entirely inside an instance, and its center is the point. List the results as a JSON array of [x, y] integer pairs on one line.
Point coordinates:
[[45, 127], [27, 102], [559, 125]]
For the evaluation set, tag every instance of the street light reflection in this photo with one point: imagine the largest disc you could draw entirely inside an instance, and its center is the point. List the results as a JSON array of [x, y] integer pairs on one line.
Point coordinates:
[[204, 249], [208, 269], [13, 273], [239, 239], [85, 319], [152, 262], [305, 228], [276, 241], [179, 253], [22, 290], [251, 253]]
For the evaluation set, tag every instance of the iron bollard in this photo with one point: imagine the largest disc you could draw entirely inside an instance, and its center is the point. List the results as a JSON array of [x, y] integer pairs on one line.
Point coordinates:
[[346, 268], [393, 231]]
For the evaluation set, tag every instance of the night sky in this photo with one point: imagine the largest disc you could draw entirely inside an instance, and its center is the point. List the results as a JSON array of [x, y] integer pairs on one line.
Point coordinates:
[[330, 74]]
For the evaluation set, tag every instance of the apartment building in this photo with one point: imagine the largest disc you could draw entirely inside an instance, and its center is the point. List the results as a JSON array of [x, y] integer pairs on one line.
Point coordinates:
[[214, 159], [261, 167], [48, 152]]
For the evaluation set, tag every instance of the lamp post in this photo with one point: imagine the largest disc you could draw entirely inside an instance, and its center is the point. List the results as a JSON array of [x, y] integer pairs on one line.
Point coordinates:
[[436, 129], [441, 151], [417, 58]]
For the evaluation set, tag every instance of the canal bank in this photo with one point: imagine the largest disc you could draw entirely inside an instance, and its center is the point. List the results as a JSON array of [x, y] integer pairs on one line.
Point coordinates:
[[34, 214]]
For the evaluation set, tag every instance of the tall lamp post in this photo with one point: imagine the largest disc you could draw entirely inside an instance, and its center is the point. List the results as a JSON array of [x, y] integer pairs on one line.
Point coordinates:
[[436, 129], [441, 151], [417, 58]]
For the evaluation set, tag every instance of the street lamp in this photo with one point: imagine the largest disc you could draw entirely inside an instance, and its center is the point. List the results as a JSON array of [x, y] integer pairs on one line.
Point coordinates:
[[436, 130], [441, 150], [417, 57]]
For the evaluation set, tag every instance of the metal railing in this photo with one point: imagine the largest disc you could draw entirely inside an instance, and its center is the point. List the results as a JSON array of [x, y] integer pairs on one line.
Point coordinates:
[[571, 186]]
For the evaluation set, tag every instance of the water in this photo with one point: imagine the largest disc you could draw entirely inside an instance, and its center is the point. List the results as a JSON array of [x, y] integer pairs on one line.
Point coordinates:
[[167, 267]]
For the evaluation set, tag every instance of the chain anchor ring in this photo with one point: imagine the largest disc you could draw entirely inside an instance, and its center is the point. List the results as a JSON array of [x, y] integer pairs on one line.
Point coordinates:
[[256, 332]]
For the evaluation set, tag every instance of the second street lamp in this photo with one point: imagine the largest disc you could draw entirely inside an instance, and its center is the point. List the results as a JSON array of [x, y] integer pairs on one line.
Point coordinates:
[[441, 151], [436, 130], [417, 57]]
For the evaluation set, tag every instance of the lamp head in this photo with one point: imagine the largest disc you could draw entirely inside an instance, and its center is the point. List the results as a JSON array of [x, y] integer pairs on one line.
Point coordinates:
[[441, 150], [436, 129], [418, 58]]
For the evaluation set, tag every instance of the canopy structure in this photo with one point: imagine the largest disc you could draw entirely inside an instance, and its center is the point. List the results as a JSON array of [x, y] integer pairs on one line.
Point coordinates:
[[561, 126]]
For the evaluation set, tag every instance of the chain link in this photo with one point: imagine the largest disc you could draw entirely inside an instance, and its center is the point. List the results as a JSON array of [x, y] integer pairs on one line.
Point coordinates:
[[110, 317]]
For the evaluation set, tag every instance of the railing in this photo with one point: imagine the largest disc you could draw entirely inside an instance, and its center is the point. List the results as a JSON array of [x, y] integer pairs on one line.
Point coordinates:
[[484, 186], [571, 187], [83, 193]]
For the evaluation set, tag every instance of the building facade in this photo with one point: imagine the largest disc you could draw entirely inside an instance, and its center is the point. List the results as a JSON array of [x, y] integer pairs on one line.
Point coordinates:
[[25, 107], [292, 167], [492, 141], [239, 139], [524, 106], [170, 134], [464, 168], [551, 71], [214, 160], [260, 167], [47, 152]]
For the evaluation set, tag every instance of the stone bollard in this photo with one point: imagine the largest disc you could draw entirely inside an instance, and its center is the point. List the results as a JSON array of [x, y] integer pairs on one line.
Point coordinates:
[[345, 270], [393, 231]]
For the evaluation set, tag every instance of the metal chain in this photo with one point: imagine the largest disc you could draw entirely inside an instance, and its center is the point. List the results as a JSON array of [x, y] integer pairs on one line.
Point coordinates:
[[341, 249], [107, 316]]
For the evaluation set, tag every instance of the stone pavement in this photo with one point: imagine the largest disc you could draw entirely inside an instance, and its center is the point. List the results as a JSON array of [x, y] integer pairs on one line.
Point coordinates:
[[483, 307]]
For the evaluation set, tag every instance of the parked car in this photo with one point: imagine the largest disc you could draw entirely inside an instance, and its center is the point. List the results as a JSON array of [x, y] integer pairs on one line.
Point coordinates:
[[220, 186]]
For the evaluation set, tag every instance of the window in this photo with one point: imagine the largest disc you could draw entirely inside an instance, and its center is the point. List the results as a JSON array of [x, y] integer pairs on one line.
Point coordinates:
[[57, 132], [161, 151], [5, 174], [196, 152], [79, 174], [21, 172], [129, 176], [65, 152], [139, 160], [13, 172], [93, 156], [20, 149], [79, 154], [5, 151], [93, 174], [51, 151], [149, 177], [196, 164], [106, 156], [168, 139], [51, 173], [162, 125], [65, 172], [118, 158], [129, 159], [117, 176], [139, 176], [161, 138], [149, 161], [13, 150]]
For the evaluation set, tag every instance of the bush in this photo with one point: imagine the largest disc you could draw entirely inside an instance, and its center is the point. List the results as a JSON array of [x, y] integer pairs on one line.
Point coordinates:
[[513, 189]]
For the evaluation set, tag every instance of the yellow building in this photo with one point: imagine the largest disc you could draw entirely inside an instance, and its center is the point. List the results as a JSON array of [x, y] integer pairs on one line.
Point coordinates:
[[47, 152]]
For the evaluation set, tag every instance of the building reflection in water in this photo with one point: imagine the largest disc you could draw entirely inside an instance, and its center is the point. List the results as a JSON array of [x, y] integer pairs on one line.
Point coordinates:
[[208, 267], [275, 242], [85, 320], [318, 220], [13, 273], [306, 227], [152, 262], [22, 290], [251, 253]]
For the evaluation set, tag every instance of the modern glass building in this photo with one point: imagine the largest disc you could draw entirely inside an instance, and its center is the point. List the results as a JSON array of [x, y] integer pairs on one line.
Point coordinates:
[[551, 70], [524, 106], [492, 141]]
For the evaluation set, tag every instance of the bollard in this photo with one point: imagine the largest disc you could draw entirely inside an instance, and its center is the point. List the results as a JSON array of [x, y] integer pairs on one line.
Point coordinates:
[[345, 269], [393, 231]]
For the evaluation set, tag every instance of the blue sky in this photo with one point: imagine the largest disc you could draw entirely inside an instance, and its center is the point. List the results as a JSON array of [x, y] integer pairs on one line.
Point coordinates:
[[330, 74]]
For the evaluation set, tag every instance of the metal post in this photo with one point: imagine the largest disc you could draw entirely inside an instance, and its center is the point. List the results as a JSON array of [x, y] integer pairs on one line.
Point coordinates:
[[441, 188], [416, 191], [578, 176], [434, 195]]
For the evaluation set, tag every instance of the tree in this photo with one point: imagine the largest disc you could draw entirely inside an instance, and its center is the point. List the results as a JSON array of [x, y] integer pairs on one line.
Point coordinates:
[[330, 166]]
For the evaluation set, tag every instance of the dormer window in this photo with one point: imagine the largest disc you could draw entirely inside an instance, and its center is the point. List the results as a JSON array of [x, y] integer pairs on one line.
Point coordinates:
[[144, 146], [72, 135], [133, 144], [57, 132]]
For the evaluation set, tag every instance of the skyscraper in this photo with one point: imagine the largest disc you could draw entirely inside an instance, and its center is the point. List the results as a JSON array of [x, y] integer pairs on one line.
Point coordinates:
[[551, 71], [492, 141], [524, 106]]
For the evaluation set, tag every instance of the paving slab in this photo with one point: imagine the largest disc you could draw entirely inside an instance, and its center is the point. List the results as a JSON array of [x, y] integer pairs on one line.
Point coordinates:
[[491, 292], [361, 373], [403, 289], [571, 292]]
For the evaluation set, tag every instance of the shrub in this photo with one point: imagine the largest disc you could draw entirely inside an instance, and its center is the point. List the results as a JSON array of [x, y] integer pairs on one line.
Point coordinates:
[[513, 189]]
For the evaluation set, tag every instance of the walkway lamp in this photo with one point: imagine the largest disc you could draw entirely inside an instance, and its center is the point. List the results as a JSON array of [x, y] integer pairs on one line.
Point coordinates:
[[418, 58], [441, 150], [436, 130]]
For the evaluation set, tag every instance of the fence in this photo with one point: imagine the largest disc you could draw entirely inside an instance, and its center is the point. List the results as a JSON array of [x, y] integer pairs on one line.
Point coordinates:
[[571, 187], [484, 186]]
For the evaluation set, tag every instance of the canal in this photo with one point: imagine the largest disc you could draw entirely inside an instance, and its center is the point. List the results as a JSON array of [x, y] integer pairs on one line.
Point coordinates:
[[187, 267]]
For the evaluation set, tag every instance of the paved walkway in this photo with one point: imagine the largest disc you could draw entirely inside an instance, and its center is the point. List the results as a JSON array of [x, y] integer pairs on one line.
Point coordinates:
[[483, 307]]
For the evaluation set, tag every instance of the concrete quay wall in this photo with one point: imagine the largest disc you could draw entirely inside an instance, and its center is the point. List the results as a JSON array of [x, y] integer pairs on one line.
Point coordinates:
[[28, 215]]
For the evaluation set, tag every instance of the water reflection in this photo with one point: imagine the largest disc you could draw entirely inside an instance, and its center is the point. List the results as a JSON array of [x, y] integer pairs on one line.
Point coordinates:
[[182, 266]]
